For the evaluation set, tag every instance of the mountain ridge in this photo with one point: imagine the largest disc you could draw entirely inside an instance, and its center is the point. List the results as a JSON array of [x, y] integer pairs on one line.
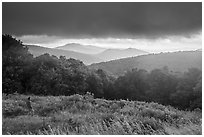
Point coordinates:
[[111, 54], [175, 61], [87, 49], [39, 50], [102, 53]]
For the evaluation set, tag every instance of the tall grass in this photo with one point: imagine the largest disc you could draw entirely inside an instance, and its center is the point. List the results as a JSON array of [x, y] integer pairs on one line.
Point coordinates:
[[84, 115]]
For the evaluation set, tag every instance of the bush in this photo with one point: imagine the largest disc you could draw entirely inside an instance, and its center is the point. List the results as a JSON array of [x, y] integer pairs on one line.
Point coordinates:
[[157, 114]]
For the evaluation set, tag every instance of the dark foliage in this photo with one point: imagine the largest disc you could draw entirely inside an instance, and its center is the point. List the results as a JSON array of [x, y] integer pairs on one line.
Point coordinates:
[[162, 87], [15, 59], [50, 75]]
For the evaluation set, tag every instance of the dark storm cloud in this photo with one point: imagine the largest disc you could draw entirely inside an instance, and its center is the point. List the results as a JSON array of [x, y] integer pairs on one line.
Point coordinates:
[[101, 19]]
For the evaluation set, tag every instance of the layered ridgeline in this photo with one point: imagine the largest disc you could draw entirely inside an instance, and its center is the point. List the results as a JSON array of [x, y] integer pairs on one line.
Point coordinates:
[[87, 53], [86, 58], [111, 54], [102, 53], [176, 61], [86, 49]]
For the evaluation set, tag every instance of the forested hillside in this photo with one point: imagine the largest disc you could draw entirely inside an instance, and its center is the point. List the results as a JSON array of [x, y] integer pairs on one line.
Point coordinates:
[[177, 62], [50, 75], [45, 74]]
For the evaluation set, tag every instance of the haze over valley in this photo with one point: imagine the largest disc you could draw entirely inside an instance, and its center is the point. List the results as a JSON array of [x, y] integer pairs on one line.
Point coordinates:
[[86, 53]]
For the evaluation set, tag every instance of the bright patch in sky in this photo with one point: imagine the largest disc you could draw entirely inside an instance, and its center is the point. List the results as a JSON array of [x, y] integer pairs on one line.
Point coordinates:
[[162, 44]]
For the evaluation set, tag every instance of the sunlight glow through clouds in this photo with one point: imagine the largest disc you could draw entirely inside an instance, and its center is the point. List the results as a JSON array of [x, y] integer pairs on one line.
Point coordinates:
[[163, 44]]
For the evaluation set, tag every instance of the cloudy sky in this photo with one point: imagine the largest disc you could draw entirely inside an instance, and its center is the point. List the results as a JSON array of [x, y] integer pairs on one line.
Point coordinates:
[[153, 27]]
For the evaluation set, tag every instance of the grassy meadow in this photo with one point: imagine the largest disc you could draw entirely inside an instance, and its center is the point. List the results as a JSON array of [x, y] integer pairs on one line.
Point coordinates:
[[84, 115]]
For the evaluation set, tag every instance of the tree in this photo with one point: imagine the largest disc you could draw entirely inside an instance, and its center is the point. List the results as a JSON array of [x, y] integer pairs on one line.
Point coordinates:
[[15, 58], [132, 85], [197, 102], [95, 85], [188, 89], [162, 85]]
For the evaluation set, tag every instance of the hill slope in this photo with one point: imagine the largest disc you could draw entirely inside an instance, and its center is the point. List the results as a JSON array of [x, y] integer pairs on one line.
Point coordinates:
[[87, 49], [87, 59], [83, 115], [176, 61], [111, 54]]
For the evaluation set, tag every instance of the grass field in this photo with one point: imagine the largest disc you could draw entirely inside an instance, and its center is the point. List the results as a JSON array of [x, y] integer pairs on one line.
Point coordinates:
[[85, 115]]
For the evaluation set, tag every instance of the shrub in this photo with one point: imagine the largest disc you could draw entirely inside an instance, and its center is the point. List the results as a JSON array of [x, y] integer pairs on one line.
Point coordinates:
[[76, 98], [157, 114]]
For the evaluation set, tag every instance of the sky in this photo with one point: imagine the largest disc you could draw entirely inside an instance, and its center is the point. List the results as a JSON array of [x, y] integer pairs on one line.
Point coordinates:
[[154, 27]]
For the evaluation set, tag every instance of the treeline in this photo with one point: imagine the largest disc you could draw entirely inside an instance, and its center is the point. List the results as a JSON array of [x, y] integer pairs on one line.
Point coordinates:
[[161, 86], [49, 75]]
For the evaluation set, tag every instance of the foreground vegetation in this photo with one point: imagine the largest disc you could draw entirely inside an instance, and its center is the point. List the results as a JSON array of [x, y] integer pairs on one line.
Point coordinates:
[[79, 114]]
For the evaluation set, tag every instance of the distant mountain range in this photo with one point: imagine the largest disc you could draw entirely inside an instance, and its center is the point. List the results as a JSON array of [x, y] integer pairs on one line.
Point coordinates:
[[102, 53], [87, 59], [87, 49], [176, 62], [112, 54], [87, 53]]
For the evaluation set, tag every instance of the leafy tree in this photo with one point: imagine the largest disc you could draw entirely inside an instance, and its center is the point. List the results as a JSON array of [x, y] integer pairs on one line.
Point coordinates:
[[188, 89], [197, 90], [162, 85], [15, 58], [132, 85], [95, 85]]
